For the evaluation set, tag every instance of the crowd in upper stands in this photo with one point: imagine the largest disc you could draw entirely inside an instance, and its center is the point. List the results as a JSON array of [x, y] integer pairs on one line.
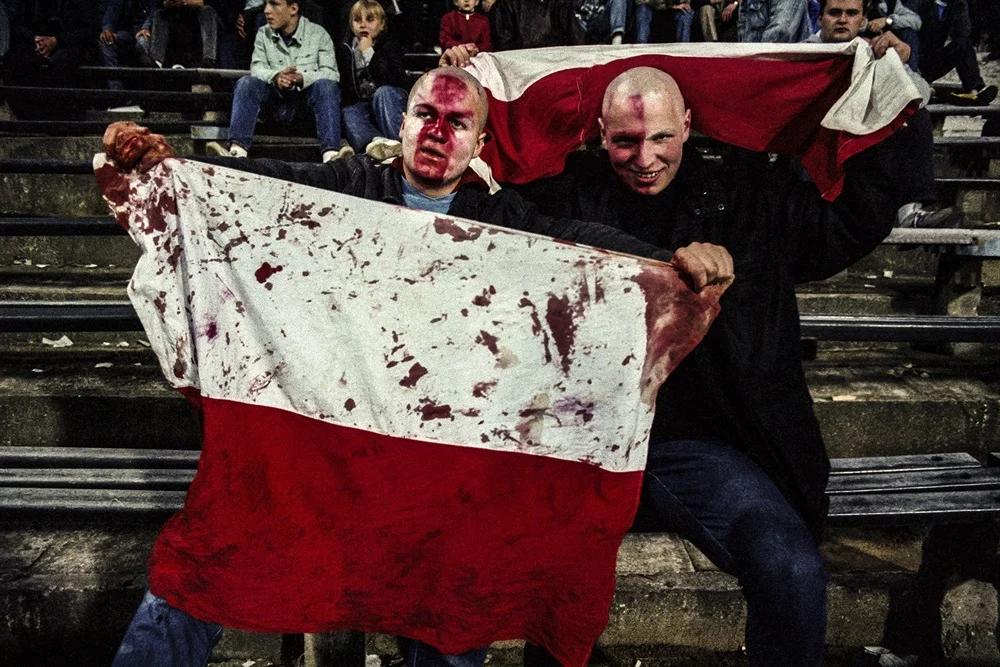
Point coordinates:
[[351, 53]]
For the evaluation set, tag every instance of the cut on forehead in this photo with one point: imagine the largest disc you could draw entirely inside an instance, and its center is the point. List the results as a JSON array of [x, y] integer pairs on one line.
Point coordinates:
[[457, 74], [642, 81]]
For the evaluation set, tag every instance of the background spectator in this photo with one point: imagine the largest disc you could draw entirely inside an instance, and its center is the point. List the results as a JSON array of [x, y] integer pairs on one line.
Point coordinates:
[[4, 31], [895, 17], [48, 40], [374, 83], [682, 15], [946, 43], [186, 33], [602, 21], [464, 26], [785, 21], [293, 66], [125, 35], [529, 24], [718, 20]]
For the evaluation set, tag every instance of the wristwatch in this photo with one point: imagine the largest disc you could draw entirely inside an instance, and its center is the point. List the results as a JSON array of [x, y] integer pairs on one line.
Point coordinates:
[[889, 21]]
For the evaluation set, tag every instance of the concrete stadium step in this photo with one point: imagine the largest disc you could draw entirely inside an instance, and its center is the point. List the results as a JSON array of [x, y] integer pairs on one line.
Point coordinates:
[[893, 402], [72, 588]]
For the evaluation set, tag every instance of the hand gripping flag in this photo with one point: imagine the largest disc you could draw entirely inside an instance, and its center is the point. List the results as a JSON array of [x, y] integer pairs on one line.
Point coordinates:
[[822, 102], [412, 424]]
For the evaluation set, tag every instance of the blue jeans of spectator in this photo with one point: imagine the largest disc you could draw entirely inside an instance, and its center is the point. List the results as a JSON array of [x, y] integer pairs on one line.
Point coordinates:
[[167, 21], [164, 636], [125, 50], [618, 15], [725, 504], [643, 21], [253, 94], [380, 116], [682, 24]]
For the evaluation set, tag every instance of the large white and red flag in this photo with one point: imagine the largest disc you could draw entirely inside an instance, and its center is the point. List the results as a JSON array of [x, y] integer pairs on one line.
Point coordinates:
[[412, 423], [821, 102]]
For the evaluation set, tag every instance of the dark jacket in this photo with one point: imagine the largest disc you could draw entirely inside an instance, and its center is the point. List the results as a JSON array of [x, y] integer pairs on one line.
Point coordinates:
[[528, 24], [72, 22], [361, 177], [745, 382], [385, 69], [128, 14]]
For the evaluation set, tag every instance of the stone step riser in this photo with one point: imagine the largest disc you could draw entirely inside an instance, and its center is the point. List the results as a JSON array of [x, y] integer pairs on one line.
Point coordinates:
[[72, 590]]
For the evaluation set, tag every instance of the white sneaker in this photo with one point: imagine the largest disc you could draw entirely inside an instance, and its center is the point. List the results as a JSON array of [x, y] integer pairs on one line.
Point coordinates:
[[216, 148], [381, 149], [345, 151]]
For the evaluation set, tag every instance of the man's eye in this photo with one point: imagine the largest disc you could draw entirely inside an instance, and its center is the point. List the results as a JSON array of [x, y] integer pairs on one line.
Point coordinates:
[[422, 114], [457, 124]]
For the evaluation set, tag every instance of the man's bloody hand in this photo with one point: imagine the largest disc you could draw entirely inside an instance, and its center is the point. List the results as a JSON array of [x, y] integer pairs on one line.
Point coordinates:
[[704, 264], [130, 145]]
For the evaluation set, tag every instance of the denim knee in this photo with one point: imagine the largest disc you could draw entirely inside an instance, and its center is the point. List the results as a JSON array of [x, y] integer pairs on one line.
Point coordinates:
[[250, 87], [324, 88]]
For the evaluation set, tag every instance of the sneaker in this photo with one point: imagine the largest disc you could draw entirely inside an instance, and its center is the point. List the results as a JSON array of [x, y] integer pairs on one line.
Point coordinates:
[[975, 98], [918, 218], [177, 66], [128, 108], [381, 149], [345, 151], [216, 148]]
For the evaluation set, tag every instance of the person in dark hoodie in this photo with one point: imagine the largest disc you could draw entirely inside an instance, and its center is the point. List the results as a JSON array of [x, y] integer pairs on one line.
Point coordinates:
[[373, 80]]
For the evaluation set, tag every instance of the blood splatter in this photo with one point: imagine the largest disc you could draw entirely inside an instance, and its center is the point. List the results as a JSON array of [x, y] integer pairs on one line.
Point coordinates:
[[416, 372], [430, 410], [349, 404], [481, 389], [488, 340], [455, 231], [266, 271]]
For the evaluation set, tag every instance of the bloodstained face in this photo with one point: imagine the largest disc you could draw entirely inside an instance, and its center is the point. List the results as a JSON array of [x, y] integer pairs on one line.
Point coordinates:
[[130, 145], [841, 20], [441, 133], [644, 134]]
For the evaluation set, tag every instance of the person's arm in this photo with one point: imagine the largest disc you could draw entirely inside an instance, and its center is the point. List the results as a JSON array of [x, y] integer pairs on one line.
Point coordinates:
[[260, 64], [112, 16], [325, 58], [824, 238], [332, 175], [386, 67], [445, 39], [503, 26], [904, 18], [77, 25], [485, 42], [786, 19]]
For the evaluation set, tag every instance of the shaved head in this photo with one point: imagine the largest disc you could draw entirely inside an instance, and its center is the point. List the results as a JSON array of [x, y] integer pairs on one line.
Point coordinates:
[[642, 81], [644, 125], [457, 73]]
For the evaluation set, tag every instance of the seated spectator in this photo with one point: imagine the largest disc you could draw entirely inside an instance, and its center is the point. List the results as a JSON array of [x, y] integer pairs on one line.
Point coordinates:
[[944, 20], [783, 21], [895, 17], [907, 156], [718, 20], [125, 35], [293, 66], [683, 16], [463, 25], [374, 82], [602, 21], [185, 33], [530, 24], [48, 40]]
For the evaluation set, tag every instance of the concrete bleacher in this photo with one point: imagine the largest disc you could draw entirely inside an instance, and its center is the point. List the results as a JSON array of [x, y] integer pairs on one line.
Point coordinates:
[[69, 585]]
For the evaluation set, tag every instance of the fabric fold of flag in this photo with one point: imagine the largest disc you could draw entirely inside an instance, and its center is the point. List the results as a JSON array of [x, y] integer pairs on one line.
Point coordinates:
[[816, 101], [413, 424]]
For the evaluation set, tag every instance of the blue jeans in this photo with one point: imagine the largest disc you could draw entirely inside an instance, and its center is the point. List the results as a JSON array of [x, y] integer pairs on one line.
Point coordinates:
[[682, 25], [725, 504], [126, 49], [644, 21], [252, 94], [380, 116], [164, 636]]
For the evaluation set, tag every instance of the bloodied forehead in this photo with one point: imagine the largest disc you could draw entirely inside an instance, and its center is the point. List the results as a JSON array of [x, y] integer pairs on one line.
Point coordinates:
[[635, 90], [449, 89]]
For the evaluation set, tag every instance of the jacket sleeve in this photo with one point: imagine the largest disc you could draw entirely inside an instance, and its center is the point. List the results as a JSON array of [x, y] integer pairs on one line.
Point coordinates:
[[508, 208], [386, 67], [326, 60], [786, 18], [77, 23], [824, 238], [327, 176], [485, 40], [905, 18], [112, 15], [260, 65], [444, 34]]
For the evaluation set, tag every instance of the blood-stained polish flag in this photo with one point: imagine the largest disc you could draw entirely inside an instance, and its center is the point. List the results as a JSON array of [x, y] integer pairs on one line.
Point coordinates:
[[412, 424], [821, 102]]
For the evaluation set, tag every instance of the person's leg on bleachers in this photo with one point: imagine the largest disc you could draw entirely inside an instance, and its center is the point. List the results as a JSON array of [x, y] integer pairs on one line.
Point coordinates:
[[163, 636]]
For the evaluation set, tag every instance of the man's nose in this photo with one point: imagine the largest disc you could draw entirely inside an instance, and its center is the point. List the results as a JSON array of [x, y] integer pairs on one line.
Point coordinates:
[[645, 155]]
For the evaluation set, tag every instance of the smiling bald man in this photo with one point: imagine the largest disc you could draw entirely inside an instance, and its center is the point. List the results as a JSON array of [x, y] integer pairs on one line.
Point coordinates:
[[736, 461]]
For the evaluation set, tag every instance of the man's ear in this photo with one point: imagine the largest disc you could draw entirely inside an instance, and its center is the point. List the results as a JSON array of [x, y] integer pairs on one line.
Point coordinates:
[[600, 124], [479, 144], [687, 125]]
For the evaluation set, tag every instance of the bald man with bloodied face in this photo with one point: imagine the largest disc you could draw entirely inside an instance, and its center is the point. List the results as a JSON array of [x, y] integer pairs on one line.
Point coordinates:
[[736, 461], [441, 132]]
